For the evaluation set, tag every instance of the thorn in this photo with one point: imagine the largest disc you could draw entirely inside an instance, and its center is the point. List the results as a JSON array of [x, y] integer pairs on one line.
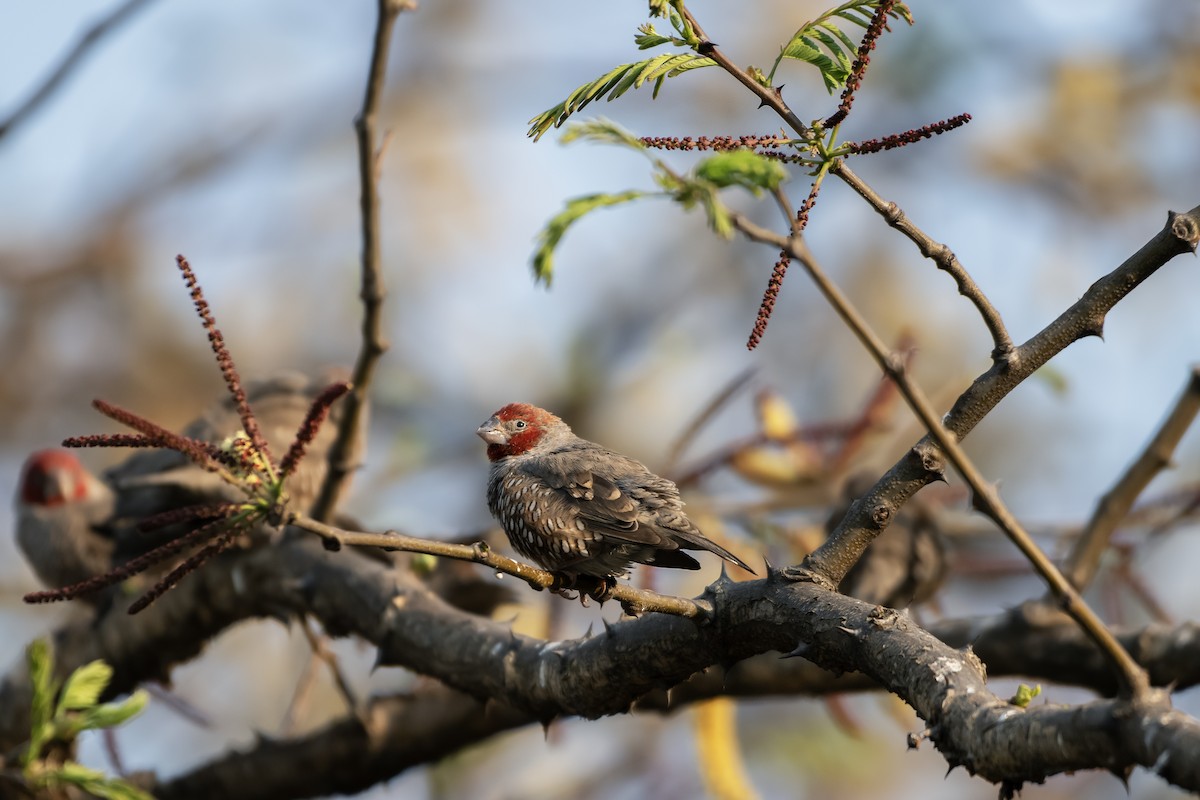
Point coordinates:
[[720, 586], [1095, 329], [799, 652], [670, 690], [588, 633], [609, 630], [546, 723], [774, 574]]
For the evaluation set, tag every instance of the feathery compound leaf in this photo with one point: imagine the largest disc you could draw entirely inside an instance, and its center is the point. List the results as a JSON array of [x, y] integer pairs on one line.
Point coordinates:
[[601, 131], [823, 44], [556, 228], [615, 83], [744, 168]]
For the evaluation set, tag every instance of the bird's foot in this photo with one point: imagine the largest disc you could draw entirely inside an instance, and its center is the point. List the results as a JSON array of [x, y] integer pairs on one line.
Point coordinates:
[[583, 587], [564, 586]]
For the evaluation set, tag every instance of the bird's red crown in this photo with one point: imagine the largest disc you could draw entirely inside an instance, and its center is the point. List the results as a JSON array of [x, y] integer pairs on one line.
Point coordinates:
[[515, 429], [53, 477]]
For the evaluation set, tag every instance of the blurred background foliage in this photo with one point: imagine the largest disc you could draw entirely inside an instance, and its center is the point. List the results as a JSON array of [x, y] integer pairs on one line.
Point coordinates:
[[224, 133]]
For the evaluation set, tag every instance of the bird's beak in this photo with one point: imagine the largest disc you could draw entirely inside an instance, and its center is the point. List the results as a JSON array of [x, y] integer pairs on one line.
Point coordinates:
[[491, 432]]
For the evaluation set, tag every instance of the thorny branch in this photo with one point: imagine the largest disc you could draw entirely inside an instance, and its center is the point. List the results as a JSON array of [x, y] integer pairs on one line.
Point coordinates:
[[874, 511], [524, 679], [941, 255]]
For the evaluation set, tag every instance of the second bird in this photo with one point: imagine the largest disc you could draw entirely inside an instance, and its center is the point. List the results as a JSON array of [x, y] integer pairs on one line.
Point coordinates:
[[577, 508]]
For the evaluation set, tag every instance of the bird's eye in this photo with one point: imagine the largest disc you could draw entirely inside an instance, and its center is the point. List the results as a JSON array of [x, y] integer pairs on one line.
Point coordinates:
[[519, 424]]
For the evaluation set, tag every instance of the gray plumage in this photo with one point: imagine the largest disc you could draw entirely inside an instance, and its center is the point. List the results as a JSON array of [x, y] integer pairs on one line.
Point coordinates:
[[60, 506]]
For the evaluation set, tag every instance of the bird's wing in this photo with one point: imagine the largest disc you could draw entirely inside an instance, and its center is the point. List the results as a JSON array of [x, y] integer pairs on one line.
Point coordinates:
[[590, 497]]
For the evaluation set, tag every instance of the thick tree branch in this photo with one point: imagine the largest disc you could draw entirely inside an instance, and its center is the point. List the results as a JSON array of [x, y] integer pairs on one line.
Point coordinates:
[[435, 722], [347, 756], [608, 672]]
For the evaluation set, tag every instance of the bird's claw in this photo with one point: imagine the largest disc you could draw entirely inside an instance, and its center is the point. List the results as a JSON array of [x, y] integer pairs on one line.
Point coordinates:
[[583, 587]]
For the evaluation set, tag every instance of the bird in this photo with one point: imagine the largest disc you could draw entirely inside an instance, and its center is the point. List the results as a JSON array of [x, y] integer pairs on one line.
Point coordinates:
[[61, 508], [579, 509], [73, 525]]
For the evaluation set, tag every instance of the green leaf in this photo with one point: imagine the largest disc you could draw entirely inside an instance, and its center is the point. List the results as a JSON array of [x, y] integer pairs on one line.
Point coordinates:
[[759, 76], [823, 44], [96, 782], [744, 168], [1025, 695], [615, 83], [109, 715], [648, 38], [556, 228], [41, 669], [40, 672], [83, 688]]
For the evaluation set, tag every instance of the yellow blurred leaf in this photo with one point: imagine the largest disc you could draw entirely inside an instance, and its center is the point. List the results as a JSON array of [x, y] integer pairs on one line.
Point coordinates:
[[775, 416], [775, 466], [722, 767]]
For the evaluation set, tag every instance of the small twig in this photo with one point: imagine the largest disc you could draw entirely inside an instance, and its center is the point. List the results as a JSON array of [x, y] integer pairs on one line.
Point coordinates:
[[714, 405], [319, 644], [1133, 677], [74, 57], [344, 455], [631, 599], [1084, 560], [942, 256]]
